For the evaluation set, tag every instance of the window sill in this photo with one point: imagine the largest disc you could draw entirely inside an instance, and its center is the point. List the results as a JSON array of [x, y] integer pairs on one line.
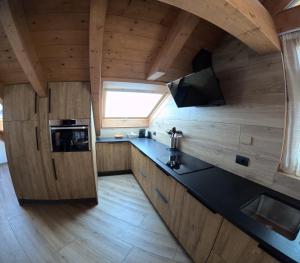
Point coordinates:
[[290, 184]]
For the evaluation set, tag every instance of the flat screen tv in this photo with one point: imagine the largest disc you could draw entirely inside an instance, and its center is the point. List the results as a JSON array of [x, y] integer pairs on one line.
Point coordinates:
[[197, 89]]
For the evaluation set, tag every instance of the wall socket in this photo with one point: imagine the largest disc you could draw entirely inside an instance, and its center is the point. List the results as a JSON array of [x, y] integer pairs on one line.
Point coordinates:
[[242, 160]]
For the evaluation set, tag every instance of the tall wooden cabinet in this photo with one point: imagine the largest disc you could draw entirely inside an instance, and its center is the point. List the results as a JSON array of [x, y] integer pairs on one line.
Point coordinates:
[[37, 173], [25, 162]]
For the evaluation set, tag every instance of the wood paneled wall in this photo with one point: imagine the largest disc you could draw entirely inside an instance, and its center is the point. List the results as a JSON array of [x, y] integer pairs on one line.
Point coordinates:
[[251, 124]]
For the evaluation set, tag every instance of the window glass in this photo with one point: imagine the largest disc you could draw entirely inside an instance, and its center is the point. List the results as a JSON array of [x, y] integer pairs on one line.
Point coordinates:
[[130, 104]]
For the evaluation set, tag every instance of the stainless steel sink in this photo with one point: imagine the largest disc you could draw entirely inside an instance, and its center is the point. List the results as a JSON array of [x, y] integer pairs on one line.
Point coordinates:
[[274, 214]]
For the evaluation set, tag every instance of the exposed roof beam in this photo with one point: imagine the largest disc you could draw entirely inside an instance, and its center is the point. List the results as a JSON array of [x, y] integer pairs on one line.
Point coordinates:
[[276, 6], [248, 21], [183, 26], [97, 20], [288, 20], [15, 26]]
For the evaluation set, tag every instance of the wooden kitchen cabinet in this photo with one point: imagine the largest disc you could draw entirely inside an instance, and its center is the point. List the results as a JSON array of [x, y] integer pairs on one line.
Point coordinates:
[[113, 156], [140, 166], [20, 103], [167, 197], [22, 144], [234, 246], [198, 229], [163, 191], [74, 175], [69, 100]]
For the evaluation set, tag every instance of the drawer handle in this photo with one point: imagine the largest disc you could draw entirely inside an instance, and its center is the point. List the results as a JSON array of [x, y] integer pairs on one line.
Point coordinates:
[[54, 169], [35, 103], [49, 100], [161, 196], [37, 139]]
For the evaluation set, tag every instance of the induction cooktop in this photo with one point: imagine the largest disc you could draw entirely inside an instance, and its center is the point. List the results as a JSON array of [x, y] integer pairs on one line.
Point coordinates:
[[182, 163]]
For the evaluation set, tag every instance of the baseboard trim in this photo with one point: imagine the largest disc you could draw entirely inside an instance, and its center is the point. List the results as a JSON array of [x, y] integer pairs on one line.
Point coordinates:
[[91, 201], [114, 173]]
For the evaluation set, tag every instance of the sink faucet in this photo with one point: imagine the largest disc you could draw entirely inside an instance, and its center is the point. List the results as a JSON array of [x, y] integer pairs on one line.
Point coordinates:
[[174, 135]]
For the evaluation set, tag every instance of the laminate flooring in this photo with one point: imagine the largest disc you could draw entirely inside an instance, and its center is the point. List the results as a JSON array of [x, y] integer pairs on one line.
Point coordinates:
[[123, 227]]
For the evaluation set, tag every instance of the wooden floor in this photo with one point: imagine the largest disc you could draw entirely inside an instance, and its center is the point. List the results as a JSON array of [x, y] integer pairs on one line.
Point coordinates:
[[122, 228]]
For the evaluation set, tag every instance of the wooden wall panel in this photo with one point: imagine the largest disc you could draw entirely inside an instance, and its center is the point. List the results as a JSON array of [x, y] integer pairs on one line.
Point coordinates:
[[253, 87]]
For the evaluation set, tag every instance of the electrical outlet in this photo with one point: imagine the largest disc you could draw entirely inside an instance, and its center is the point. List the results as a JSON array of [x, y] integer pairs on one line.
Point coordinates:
[[242, 160]]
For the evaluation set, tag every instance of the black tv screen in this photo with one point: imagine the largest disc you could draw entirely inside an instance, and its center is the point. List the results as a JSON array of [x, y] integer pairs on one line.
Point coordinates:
[[197, 89]]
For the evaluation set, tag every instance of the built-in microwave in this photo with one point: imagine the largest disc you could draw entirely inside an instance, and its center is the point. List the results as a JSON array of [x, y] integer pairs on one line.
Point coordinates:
[[70, 135]]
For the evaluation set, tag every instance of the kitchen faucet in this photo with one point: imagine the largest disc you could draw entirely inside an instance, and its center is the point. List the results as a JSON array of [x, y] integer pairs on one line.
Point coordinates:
[[174, 135]]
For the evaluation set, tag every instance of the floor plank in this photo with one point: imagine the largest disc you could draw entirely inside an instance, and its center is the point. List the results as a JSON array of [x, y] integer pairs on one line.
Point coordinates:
[[123, 227]]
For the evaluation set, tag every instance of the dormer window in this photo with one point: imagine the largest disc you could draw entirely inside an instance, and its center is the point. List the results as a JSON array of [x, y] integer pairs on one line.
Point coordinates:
[[128, 104]]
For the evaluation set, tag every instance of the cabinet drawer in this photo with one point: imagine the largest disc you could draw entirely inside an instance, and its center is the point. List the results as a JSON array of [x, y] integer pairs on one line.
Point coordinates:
[[199, 229], [167, 197], [234, 246]]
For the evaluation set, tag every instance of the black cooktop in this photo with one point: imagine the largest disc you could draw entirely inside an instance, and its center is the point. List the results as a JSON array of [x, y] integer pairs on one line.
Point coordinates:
[[181, 163]]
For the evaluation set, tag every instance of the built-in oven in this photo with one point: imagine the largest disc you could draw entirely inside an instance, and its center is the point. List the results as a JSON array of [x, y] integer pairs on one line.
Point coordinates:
[[70, 135]]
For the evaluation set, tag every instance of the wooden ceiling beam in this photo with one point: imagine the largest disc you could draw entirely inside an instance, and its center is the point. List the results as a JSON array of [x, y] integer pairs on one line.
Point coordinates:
[[247, 20], [98, 10], [276, 6], [182, 28], [288, 20], [15, 26]]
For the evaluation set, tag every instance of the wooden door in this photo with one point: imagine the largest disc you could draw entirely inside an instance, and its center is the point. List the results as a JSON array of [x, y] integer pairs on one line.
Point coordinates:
[[22, 144], [113, 156], [234, 246], [167, 197], [45, 146], [69, 100], [199, 229], [74, 175], [19, 103]]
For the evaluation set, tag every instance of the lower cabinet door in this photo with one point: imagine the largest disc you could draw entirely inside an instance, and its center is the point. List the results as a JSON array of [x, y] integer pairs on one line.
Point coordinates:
[[199, 229], [140, 166], [74, 175], [135, 162], [234, 246], [24, 160], [113, 156]]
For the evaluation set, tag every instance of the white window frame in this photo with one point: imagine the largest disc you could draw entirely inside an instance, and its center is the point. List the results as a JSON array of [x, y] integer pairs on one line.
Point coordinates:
[[131, 122]]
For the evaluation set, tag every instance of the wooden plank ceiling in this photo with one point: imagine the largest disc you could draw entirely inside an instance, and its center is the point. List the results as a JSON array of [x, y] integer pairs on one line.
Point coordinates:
[[134, 32]]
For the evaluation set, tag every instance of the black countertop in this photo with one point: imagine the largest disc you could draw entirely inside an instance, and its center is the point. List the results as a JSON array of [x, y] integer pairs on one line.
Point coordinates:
[[225, 193]]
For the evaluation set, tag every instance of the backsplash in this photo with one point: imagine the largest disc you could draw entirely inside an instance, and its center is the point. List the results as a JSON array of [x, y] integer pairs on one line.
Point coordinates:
[[110, 132], [250, 124]]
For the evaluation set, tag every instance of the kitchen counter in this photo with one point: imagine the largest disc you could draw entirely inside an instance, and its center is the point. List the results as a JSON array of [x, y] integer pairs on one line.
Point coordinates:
[[225, 193]]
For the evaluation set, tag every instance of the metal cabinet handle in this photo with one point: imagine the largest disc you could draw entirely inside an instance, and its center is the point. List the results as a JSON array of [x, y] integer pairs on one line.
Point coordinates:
[[161, 196], [35, 103], [37, 139], [49, 101], [54, 169]]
